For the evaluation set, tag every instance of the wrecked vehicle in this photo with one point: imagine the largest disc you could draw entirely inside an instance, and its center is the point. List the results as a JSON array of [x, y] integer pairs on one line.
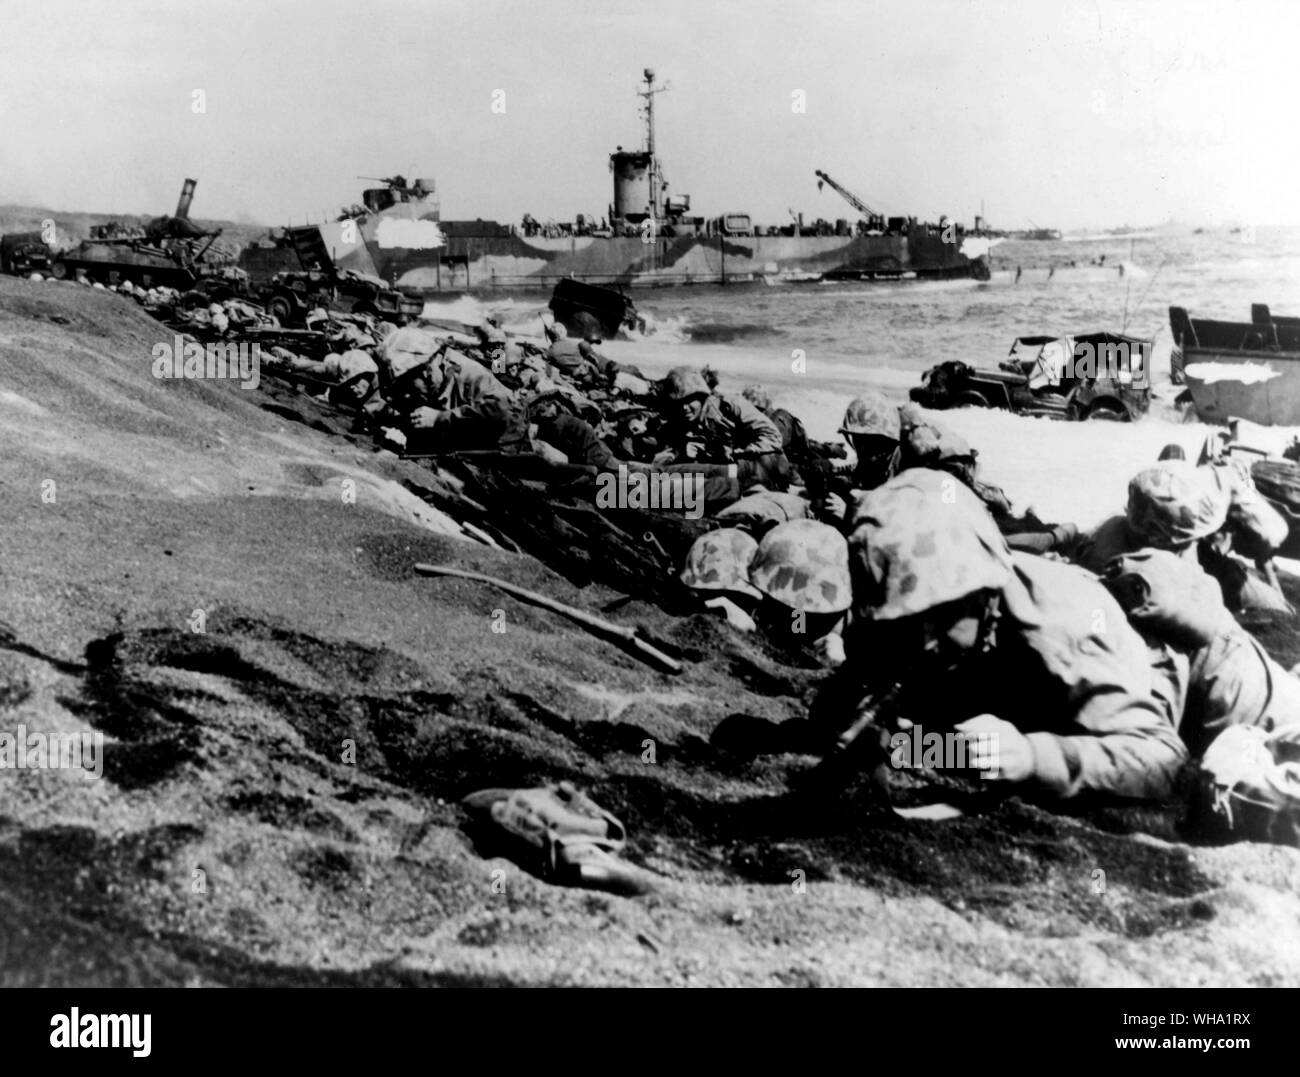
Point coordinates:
[[23, 253], [592, 310], [291, 293], [165, 252], [1102, 376]]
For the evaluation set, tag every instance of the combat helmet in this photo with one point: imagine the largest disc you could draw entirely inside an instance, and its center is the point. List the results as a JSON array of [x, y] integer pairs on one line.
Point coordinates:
[[928, 442], [719, 561], [804, 564], [549, 391], [349, 365], [621, 412], [757, 396], [682, 383], [920, 540], [871, 413], [1173, 505]]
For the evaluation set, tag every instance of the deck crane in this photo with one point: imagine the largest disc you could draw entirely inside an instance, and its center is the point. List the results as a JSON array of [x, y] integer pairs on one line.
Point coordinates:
[[848, 196]]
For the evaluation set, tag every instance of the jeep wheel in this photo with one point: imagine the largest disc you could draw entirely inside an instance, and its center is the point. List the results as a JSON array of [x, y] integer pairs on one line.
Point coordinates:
[[1106, 412], [970, 398], [280, 308], [59, 270]]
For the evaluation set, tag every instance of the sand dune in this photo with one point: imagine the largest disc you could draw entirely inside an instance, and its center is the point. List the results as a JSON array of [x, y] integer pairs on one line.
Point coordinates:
[[225, 761]]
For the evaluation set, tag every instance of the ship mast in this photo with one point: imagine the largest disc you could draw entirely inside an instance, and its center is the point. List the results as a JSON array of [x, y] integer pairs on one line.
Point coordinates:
[[655, 177]]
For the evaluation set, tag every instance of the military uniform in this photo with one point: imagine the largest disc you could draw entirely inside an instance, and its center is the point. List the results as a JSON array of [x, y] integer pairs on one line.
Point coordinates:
[[794, 438], [728, 429], [1242, 716], [577, 440], [1177, 507], [1232, 680], [1257, 528], [472, 410], [1056, 658], [570, 357]]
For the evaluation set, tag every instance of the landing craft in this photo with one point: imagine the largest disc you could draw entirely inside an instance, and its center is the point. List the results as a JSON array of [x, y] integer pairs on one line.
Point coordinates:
[[649, 237], [1240, 370]]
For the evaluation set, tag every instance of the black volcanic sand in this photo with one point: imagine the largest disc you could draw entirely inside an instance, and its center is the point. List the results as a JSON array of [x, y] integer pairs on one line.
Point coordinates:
[[230, 843]]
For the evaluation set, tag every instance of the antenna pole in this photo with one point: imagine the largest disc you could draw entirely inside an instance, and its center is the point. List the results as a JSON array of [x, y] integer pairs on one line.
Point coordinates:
[[649, 94], [1128, 280]]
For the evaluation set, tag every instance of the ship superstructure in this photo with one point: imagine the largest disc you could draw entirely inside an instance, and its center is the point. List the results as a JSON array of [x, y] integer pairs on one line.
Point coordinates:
[[649, 238]]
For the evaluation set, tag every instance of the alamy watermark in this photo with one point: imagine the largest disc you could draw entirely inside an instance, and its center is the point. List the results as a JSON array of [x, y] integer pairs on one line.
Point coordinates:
[[77, 1029], [915, 749], [21, 750], [211, 362], [1124, 361], [628, 489]]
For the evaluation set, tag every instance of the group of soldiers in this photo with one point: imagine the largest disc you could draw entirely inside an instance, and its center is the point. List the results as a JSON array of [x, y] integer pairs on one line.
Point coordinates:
[[429, 392], [1100, 663], [1104, 664]]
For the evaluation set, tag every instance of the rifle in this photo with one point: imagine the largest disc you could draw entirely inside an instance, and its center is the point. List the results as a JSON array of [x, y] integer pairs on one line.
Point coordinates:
[[876, 711], [863, 745], [823, 477], [630, 639]]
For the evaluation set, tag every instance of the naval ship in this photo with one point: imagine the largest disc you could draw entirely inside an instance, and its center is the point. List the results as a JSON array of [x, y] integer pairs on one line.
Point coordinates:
[[649, 238]]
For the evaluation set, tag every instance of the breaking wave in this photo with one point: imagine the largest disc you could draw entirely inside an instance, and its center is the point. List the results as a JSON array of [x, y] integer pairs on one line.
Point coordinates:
[[727, 332], [662, 329]]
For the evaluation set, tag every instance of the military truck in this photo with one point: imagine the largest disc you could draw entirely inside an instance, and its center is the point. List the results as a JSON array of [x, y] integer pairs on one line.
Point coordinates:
[[23, 253]]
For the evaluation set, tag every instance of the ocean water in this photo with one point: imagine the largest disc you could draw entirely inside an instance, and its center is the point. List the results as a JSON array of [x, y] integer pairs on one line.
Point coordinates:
[[886, 335]]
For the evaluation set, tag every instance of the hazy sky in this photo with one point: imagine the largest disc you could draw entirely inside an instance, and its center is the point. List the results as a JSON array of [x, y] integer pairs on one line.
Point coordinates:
[[1064, 113]]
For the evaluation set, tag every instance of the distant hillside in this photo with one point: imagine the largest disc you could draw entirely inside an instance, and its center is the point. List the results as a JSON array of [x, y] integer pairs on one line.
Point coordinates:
[[74, 227]]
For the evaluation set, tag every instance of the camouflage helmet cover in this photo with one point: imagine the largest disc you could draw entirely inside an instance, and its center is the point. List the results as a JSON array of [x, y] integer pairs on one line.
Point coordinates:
[[804, 564], [910, 415], [1173, 504], [683, 382], [871, 413], [757, 396], [929, 443], [719, 561], [920, 540]]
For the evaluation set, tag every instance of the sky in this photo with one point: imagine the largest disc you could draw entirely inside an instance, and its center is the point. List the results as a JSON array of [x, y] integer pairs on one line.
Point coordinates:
[[1054, 113]]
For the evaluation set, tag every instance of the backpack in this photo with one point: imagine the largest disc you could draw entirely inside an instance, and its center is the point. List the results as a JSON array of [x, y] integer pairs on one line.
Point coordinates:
[[1244, 793]]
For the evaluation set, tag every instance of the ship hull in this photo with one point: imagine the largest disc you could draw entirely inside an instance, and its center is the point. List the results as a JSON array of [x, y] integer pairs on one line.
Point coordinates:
[[1241, 370], [500, 262], [1267, 393]]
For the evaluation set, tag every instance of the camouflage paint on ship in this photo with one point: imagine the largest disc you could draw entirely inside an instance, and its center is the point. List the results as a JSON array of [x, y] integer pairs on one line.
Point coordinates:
[[492, 258], [649, 239]]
